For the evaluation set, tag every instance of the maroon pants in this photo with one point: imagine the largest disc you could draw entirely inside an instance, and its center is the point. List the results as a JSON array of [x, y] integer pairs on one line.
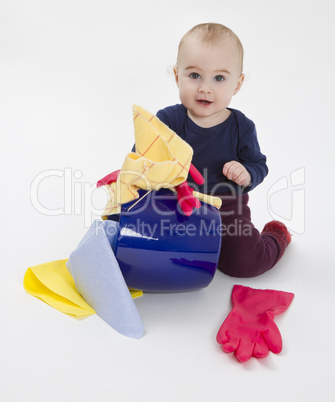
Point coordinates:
[[244, 251]]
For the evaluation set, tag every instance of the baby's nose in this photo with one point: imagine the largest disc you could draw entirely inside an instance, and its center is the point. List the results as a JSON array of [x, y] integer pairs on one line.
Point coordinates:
[[204, 89]]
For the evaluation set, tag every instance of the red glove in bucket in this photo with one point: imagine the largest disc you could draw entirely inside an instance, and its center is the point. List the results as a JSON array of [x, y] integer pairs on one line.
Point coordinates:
[[186, 199], [196, 175], [249, 329], [110, 178]]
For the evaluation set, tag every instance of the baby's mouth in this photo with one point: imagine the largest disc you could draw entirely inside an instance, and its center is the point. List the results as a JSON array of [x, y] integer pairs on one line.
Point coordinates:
[[204, 102]]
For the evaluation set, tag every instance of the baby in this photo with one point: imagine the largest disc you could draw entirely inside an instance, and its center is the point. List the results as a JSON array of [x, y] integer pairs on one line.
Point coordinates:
[[208, 73]]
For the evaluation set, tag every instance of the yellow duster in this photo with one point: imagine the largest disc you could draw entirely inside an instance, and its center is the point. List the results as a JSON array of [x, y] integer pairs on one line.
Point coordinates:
[[162, 159]]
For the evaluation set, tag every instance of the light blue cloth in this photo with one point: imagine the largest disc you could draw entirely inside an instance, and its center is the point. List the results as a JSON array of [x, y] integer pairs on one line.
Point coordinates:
[[99, 280]]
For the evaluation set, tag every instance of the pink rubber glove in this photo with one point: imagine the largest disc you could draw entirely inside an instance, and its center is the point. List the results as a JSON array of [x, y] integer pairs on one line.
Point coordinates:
[[249, 329], [110, 178], [196, 175], [186, 199]]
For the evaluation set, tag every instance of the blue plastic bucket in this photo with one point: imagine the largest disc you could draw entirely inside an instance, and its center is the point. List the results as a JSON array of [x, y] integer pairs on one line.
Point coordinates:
[[159, 249]]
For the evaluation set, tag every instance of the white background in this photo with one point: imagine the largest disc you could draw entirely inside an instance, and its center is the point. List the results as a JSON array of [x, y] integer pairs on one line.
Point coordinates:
[[69, 74]]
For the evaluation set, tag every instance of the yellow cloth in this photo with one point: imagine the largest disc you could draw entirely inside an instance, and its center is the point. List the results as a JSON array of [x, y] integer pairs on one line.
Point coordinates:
[[162, 159], [52, 283]]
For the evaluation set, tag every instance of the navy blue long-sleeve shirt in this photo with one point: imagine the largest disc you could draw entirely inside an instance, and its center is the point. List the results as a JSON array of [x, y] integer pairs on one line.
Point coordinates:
[[234, 139]]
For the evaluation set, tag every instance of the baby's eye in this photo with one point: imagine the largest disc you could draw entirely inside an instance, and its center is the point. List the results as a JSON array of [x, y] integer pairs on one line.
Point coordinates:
[[195, 76], [219, 78]]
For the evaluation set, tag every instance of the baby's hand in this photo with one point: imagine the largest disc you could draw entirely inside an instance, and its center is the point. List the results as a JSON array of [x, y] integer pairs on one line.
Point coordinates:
[[236, 172]]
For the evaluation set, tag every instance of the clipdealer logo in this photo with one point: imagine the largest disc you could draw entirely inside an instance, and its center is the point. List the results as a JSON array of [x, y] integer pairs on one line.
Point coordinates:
[[292, 192], [78, 198]]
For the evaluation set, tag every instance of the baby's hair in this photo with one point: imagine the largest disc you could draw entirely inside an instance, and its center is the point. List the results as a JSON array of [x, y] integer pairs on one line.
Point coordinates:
[[211, 34]]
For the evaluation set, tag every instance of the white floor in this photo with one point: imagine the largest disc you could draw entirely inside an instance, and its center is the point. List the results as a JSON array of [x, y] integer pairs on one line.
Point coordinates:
[[69, 73]]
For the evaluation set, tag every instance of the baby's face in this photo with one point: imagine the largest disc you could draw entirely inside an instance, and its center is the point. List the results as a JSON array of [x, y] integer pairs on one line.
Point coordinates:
[[208, 77]]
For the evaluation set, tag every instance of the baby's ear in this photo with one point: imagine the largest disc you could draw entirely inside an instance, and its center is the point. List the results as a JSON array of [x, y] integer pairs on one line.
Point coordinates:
[[176, 77], [239, 83]]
